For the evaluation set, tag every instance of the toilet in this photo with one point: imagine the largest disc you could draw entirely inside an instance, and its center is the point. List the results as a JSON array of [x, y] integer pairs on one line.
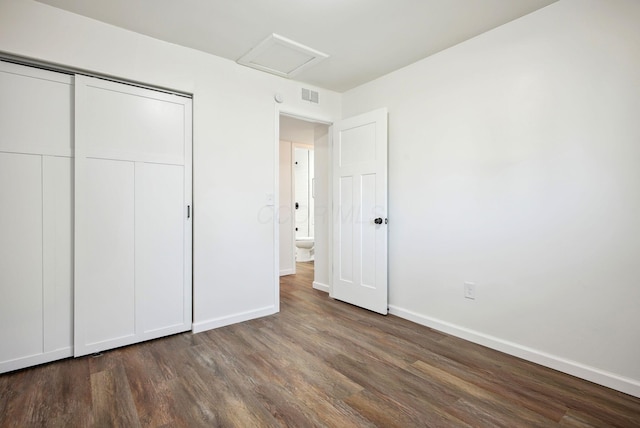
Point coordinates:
[[304, 249]]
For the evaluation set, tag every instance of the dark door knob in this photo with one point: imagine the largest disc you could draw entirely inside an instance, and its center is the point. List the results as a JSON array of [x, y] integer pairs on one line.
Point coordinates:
[[378, 221]]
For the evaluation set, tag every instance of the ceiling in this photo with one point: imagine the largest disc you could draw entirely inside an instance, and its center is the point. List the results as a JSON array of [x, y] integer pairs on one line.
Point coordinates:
[[364, 39]]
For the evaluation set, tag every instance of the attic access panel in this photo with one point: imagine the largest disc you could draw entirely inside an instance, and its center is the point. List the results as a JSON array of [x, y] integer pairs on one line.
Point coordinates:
[[281, 56]]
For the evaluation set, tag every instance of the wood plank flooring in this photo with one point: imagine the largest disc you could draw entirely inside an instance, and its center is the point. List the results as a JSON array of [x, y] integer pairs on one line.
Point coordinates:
[[318, 362]]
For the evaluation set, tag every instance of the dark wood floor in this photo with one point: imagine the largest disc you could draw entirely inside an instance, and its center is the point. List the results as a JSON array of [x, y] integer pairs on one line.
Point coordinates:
[[318, 362]]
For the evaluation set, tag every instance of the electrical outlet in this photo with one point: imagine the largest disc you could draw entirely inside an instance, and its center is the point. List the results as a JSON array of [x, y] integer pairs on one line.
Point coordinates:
[[470, 290]]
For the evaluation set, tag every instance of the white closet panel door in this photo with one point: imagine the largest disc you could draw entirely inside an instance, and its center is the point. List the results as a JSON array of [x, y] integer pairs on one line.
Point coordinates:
[[132, 231], [160, 256], [36, 182], [57, 211], [104, 255], [35, 111], [138, 124], [20, 257]]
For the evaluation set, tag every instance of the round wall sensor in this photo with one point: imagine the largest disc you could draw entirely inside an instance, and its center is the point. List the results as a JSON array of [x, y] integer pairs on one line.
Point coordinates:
[[279, 98]]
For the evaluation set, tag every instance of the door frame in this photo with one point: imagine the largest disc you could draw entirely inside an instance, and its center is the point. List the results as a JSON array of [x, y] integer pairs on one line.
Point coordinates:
[[281, 110]]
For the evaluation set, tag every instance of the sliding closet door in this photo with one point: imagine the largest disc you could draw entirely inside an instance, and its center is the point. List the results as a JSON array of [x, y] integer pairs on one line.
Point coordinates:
[[132, 215], [36, 188]]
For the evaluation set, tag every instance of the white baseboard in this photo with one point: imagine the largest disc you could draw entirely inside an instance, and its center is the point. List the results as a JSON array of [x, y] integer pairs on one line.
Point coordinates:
[[233, 319], [284, 272], [23, 362], [320, 286], [574, 368]]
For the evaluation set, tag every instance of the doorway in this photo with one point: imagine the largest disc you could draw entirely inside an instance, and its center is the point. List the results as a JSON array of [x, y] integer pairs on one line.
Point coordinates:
[[304, 198]]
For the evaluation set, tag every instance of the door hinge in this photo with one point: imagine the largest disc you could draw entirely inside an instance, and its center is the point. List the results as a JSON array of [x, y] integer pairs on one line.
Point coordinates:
[[188, 211]]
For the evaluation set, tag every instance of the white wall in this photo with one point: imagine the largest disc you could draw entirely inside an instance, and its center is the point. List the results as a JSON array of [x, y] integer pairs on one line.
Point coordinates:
[[285, 211], [296, 130], [322, 209], [234, 258], [513, 163]]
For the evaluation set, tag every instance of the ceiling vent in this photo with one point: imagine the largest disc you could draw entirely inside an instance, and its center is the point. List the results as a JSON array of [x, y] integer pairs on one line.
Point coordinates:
[[281, 56]]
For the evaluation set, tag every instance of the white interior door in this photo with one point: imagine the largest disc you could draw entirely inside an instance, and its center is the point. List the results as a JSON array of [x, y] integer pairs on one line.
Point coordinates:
[[132, 215], [360, 209]]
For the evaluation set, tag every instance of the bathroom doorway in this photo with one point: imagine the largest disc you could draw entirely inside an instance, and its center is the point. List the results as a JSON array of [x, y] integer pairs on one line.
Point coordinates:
[[303, 212], [303, 202]]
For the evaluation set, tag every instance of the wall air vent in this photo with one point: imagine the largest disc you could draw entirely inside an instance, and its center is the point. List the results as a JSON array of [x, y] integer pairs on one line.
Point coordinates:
[[309, 95], [281, 56]]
